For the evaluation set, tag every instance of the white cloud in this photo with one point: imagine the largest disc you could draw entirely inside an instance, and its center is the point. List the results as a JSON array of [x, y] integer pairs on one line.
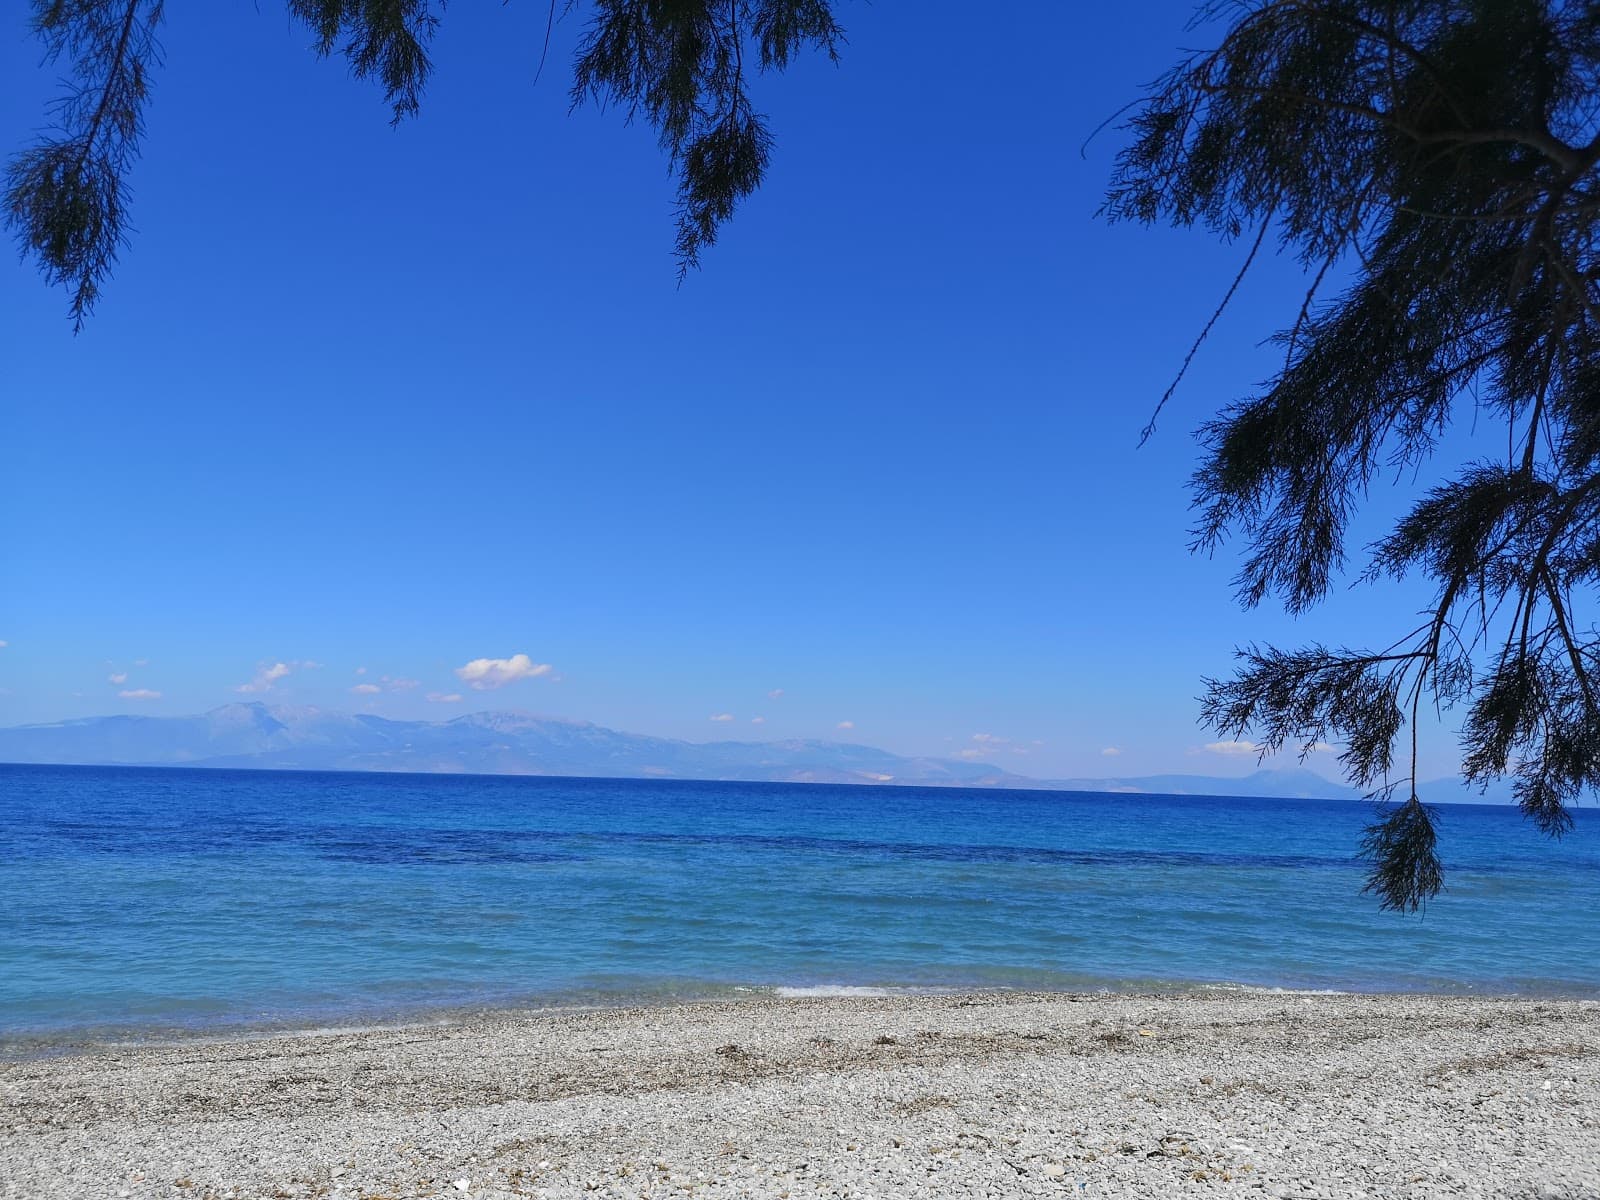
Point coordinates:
[[1232, 748], [989, 743], [444, 698], [139, 694], [774, 694], [266, 676], [117, 677], [845, 725], [141, 662], [386, 683], [722, 716], [1110, 752], [4, 644], [484, 673], [1321, 748], [308, 665], [758, 720]]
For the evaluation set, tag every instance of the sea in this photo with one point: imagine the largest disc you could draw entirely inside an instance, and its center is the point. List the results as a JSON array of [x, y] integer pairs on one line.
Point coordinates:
[[154, 902]]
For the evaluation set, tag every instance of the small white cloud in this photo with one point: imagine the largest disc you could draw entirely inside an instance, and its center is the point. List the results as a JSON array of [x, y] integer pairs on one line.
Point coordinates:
[[484, 673], [366, 689], [4, 644], [1321, 748], [774, 694], [266, 676], [141, 662], [117, 677], [1110, 752], [722, 716], [1232, 748], [400, 685], [308, 665], [971, 752], [361, 670], [444, 697], [989, 743], [139, 694], [845, 725], [758, 720]]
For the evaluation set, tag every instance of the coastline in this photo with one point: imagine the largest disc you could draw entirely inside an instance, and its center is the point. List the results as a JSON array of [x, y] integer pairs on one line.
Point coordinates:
[[32, 1043], [994, 1093]]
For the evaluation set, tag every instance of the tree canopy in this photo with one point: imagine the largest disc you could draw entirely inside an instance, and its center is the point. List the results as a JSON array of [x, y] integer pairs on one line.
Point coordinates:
[[686, 66], [1443, 156]]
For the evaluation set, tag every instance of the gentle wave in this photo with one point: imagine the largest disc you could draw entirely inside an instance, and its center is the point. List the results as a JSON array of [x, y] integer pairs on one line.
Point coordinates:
[[844, 990]]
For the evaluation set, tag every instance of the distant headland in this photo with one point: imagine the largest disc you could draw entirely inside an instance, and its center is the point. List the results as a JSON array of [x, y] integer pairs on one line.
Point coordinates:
[[289, 737]]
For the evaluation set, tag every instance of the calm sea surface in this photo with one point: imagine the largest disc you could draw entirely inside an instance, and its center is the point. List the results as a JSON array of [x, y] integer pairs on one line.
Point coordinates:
[[139, 900]]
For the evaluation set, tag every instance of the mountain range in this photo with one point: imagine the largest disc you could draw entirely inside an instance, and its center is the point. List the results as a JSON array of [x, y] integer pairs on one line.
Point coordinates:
[[287, 737]]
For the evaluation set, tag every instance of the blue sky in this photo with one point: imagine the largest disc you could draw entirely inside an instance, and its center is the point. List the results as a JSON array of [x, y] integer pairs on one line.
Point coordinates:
[[391, 401]]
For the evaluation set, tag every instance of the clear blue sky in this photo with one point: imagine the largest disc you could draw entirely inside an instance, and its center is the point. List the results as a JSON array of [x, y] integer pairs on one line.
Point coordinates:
[[400, 399]]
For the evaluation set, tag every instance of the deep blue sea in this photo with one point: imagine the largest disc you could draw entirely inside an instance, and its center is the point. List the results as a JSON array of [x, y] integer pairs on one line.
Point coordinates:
[[140, 901]]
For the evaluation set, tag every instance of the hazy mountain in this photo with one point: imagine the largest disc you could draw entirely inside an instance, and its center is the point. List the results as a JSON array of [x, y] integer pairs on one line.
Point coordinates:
[[504, 743], [1297, 783], [1455, 790], [274, 736], [1291, 782]]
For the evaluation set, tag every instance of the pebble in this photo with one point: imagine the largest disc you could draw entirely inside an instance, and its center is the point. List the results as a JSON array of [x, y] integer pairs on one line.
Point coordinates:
[[1390, 1098]]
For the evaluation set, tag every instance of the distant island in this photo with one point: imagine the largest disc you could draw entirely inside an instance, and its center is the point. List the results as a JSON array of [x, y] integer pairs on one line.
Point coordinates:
[[298, 738]]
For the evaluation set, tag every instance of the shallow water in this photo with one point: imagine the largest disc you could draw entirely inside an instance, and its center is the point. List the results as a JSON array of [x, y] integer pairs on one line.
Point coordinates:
[[137, 900]]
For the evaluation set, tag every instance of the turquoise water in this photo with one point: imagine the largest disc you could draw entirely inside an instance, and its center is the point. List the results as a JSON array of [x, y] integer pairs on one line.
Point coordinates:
[[141, 900]]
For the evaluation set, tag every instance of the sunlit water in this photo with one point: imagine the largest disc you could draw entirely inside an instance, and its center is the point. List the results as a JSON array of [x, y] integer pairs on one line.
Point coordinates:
[[136, 900]]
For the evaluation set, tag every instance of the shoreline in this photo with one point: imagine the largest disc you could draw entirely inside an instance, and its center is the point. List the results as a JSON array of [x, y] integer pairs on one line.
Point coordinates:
[[997, 1093], [25, 1045]]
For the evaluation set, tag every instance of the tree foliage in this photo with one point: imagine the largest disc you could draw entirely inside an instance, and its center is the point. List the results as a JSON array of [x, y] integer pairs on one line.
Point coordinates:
[[1442, 156], [686, 66], [67, 196]]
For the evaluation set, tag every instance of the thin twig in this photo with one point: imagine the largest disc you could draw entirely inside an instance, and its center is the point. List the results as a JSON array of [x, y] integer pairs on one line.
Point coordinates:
[[1150, 426], [544, 53]]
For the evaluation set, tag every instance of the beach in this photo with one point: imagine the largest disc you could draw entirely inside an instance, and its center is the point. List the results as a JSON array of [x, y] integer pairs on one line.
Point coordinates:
[[981, 1094]]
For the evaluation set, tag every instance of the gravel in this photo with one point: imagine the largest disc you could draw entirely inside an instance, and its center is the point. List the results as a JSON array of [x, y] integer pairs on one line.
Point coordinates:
[[1246, 1093]]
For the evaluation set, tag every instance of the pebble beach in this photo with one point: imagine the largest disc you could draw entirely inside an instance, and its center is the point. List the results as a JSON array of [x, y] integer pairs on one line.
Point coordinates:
[[1211, 1093]]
